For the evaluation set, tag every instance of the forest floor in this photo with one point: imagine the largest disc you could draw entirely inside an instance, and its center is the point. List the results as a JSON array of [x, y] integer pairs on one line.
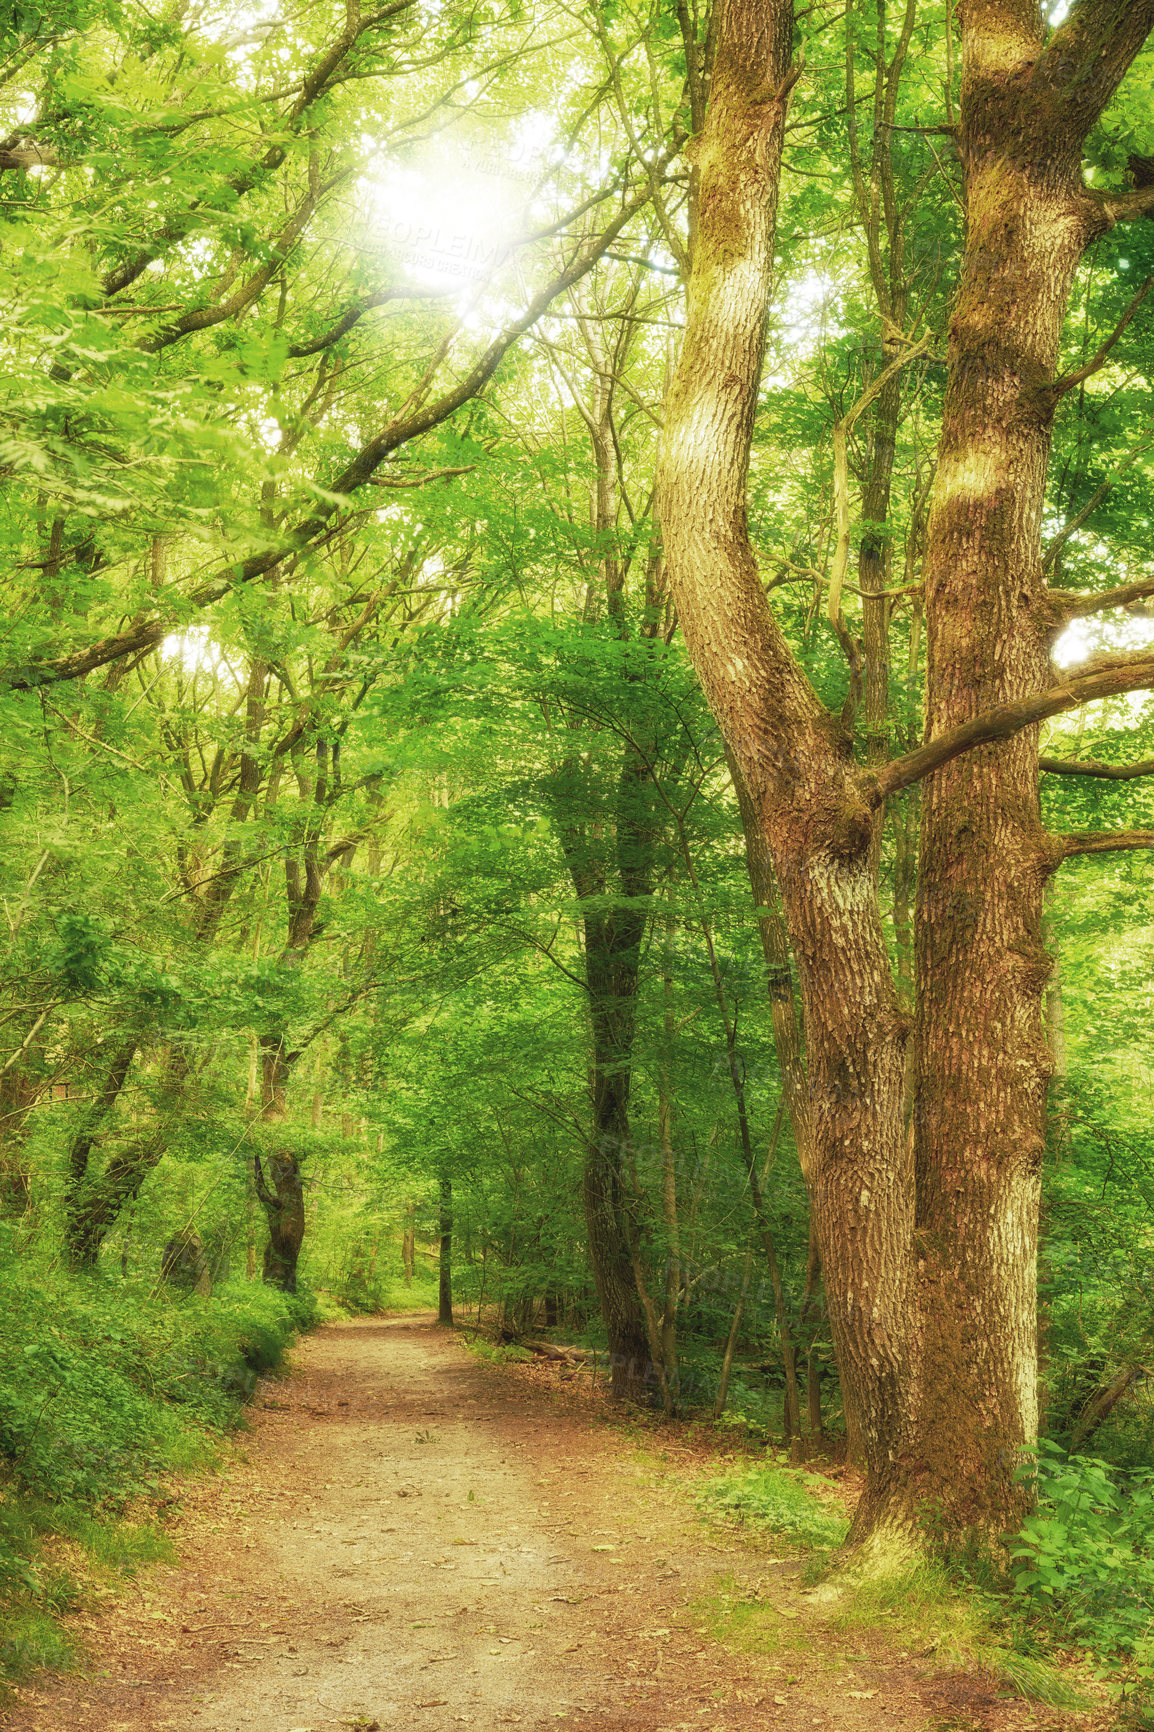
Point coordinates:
[[413, 1539]]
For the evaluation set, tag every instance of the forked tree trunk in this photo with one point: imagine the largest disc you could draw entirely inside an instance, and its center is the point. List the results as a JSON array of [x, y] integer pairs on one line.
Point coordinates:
[[789, 753], [129, 1165], [84, 1228], [933, 1314]]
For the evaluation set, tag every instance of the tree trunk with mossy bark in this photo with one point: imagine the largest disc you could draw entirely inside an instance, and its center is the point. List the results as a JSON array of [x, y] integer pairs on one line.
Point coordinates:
[[617, 870]]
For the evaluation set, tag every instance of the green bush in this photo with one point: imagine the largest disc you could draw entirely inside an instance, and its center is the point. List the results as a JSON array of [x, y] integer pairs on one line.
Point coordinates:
[[1085, 1558], [780, 1499], [99, 1383]]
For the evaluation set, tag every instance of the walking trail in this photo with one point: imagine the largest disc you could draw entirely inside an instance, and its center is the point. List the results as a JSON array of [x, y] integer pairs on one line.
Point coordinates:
[[415, 1541]]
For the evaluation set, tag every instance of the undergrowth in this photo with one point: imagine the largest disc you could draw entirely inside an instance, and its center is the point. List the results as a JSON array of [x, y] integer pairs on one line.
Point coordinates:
[[1084, 1569], [497, 1352], [924, 1607], [778, 1500], [105, 1388], [360, 1294]]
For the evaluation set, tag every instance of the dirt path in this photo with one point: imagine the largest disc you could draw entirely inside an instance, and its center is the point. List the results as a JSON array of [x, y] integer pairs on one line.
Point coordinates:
[[418, 1540]]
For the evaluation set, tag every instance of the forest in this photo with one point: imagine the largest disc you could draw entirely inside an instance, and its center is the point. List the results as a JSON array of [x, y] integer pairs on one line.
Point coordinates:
[[577, 681]]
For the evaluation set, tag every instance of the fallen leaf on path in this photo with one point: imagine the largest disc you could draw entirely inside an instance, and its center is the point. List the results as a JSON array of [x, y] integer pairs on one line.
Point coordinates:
[[862, 1695]]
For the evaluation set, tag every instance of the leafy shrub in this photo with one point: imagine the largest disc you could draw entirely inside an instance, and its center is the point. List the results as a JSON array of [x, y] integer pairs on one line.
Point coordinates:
[[98, 1383], [102, 1388], [780, 1499], [1085, 1558]]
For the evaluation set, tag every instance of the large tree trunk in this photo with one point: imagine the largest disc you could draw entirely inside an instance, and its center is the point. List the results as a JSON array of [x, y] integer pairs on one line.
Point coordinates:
[[789, 752], [982, 1058]]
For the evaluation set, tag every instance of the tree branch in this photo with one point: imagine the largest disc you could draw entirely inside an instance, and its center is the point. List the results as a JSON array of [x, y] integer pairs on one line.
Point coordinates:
[[1090, 767], [1091, 505], [1105, 678], [264, 1195], [1078, 605], [149, 633], [1098, 361], [1088, 56], [1098, 842], [367, 303], [1121, 207]]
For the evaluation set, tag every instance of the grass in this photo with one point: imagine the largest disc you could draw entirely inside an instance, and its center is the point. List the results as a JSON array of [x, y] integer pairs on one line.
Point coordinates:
[[753, 1626], [496, 1352], [916, 1607], [919, 1612], [922, 1608], [785, 1502]]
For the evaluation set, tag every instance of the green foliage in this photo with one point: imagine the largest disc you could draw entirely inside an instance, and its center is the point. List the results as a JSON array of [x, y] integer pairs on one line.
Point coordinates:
[[497, 1352], [101, 1388], [364, 807], [783, 1501], [1084, 1560], [104, 1389]]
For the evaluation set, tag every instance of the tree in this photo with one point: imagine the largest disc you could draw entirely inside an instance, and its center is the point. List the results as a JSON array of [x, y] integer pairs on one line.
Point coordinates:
[[928, 1237]]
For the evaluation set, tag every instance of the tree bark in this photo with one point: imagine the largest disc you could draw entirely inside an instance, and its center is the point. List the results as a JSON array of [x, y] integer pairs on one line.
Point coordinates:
[[791, 756], [981, 1054], [284, 1202], [612, 951], [84, 1227], [408, 1244], [613, 940]]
